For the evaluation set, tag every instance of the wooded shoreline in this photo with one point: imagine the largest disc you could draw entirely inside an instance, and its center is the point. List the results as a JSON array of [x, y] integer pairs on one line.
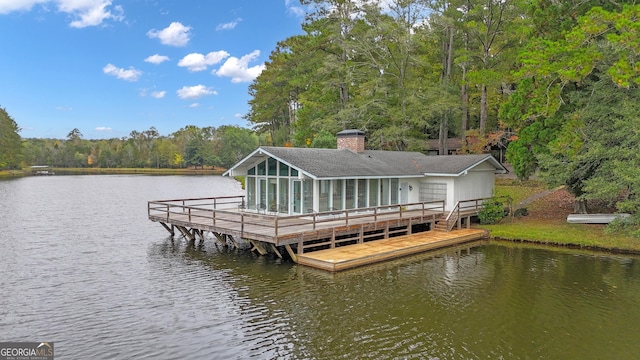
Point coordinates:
[[117, 171], [546, 221]]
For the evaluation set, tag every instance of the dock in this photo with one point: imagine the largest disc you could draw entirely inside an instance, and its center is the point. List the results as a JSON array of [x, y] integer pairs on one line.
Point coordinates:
[[333, 240], [351, 256]]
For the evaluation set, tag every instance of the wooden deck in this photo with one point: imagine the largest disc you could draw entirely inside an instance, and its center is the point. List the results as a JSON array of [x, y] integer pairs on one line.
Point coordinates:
[[332, 241], [215, 215], [350, 256]]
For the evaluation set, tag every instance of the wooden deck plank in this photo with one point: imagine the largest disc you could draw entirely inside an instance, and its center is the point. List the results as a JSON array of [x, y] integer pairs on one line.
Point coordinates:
[[350, 256]]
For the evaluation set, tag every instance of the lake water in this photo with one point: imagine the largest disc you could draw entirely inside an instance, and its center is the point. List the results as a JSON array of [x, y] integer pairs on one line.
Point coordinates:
[[80, 265]]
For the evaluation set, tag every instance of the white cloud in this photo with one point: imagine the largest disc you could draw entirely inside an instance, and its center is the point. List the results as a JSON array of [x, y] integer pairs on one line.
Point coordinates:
[[85, 12], [296, 10], [229, 25], [90, 12], [130, 74], [195, 92], [156, 59], [63, 108], [194, 105], [104, 128], [238, 69], [158, 94], [19, 5], [198, 62], [175, 34]]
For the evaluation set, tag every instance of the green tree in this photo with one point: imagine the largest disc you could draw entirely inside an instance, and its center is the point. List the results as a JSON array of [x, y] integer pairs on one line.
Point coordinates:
[[234, 143], [10, 142], [576, 91]]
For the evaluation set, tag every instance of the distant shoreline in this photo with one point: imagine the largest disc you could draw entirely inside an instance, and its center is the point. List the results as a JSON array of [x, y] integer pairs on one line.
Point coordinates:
[[115, 171]]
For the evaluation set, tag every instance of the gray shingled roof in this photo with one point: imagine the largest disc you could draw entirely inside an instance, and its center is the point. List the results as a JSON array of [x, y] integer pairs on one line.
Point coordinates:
[[332, 163]]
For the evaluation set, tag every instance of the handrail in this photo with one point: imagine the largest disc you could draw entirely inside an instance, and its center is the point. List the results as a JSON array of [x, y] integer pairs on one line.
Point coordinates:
[[209, 211], [477, 205]]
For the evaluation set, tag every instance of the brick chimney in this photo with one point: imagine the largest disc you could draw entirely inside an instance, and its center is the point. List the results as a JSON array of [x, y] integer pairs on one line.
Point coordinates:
[[351, 140]]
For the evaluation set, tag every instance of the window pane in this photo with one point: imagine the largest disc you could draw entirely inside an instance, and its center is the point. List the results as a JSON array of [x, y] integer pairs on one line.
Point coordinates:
[[294, 172], [362, 193], [252, 171], [337, 195], [394, 191], [308, 195], [325, 195], [284, 170], [284, 196], [261, 168], [384, 192], [374, 188], [273, 166], [250, 183], [272, 193], [350, 194]]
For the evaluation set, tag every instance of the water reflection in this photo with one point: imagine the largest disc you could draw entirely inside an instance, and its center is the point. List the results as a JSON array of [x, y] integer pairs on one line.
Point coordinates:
[[482, 301], [81, 265]]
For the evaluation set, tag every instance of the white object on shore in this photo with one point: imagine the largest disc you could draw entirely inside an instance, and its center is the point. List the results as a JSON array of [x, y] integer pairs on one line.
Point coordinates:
[[594, 218]]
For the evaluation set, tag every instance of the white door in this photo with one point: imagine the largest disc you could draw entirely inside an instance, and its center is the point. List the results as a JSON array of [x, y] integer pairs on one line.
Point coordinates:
[[404, 193]]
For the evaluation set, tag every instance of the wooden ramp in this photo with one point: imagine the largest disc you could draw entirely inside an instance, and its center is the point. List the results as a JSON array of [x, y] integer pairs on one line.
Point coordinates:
[[350, 256]]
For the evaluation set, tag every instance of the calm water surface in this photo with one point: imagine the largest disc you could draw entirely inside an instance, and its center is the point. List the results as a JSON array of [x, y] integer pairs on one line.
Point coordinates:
[[80, 265]]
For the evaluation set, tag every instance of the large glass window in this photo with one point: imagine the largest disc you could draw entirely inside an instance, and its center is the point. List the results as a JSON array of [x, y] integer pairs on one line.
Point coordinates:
[[250, 183], [262, 194], [374, 190], [394, 191], [272, 167], [350, 194], [271, 186], [284, 170], [272, 195], [307, 188], [297, 196], [337, 195], [384, 192], [362, 193], [324, 196], [283, 206]]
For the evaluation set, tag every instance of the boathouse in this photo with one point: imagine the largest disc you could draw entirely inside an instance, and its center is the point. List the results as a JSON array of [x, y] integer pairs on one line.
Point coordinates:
[[304, 180], [339, 208]]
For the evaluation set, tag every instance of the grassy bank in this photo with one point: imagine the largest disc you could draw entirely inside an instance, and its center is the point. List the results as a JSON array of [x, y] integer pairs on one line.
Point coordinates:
[[546, 222]]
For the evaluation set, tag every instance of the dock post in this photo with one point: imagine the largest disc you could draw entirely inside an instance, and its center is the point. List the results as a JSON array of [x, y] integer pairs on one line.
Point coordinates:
[[257, 246], [275, 250], [293, 255], [170, 230]]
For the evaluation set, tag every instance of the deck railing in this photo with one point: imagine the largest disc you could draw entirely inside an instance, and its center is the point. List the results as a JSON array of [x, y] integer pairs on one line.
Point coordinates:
[[466, 207], [229, 212]]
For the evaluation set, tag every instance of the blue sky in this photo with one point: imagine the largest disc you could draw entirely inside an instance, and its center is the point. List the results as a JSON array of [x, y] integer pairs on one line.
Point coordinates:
[[108, 67]]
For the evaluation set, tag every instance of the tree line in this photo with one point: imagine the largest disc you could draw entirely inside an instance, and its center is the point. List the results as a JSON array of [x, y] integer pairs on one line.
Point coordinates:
[[558, 79], [190, 146]]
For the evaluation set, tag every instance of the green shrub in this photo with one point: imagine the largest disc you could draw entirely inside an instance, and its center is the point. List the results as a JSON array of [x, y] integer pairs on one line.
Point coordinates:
[[492, 212], [521, 212], [628, 226]]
